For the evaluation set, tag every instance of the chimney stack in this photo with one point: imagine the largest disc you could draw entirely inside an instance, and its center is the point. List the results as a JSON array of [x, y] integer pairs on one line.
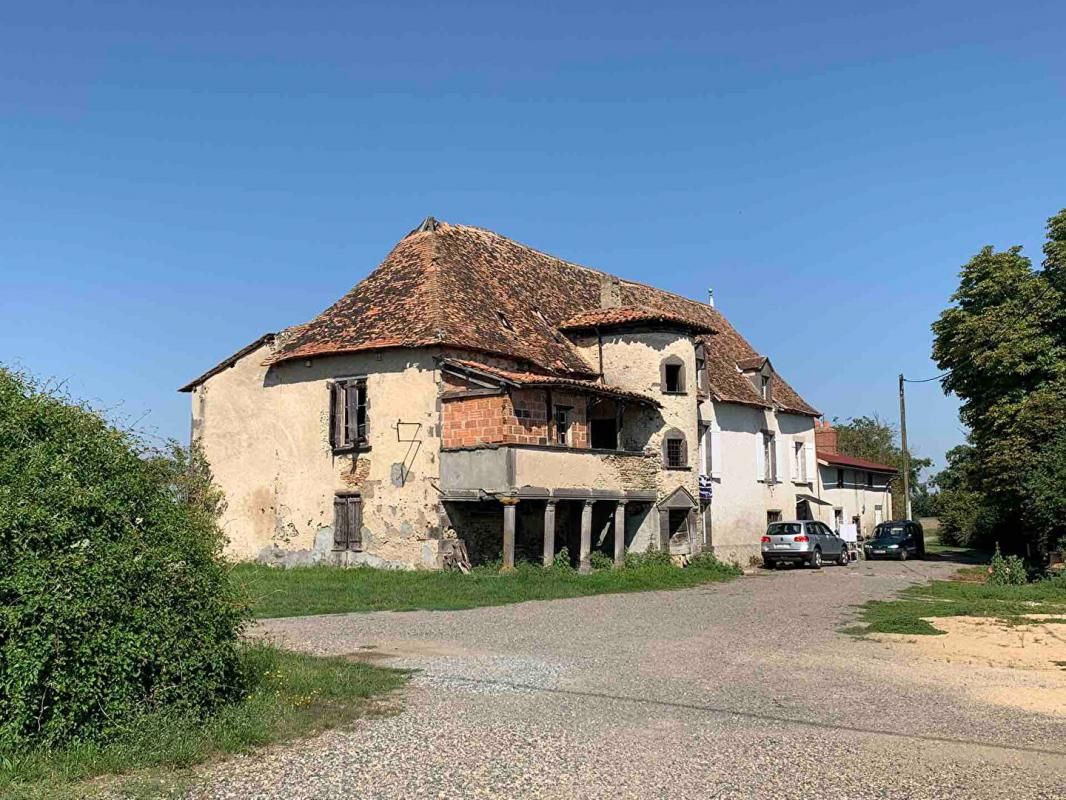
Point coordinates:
[[610, 292], [825, 438]]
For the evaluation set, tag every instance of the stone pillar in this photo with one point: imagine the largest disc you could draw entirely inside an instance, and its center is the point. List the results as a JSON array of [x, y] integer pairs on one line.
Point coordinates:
[[695, 536], [620, 534], [510, 504], [549, 533], [584, 566]]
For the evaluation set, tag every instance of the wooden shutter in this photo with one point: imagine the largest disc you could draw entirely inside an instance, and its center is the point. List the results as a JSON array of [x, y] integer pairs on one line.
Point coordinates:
[[336, 415], [340, 523], [784, 458], [812, 464], [716, 454], [355, 522], [683, 450], [348, 522], [760, 456]]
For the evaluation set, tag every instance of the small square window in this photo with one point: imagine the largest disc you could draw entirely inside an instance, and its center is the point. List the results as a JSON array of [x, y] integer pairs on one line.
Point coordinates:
[[673, 378]]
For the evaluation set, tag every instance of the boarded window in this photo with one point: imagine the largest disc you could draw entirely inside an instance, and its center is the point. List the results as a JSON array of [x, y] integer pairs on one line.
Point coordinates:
[[347, 522], [349, 414]]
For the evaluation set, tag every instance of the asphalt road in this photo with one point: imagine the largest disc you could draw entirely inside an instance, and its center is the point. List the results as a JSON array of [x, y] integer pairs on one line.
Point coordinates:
[[741, 690]]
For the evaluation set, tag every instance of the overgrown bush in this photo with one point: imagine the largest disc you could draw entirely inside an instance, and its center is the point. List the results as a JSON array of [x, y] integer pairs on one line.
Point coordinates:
[[709, 561], [648, 558], [562, 559], [1006, 570], [114, 600], [600, 560]]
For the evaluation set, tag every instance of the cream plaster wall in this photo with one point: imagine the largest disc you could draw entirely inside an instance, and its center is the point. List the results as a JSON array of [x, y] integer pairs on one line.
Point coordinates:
[[265, 433]]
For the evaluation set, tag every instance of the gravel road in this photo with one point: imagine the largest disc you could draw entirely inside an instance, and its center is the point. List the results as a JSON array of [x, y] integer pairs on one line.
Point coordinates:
[[739, 690]]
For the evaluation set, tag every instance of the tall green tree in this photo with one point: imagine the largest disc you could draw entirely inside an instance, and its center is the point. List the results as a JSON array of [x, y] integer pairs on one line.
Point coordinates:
[[875, 439], [1003, 343]]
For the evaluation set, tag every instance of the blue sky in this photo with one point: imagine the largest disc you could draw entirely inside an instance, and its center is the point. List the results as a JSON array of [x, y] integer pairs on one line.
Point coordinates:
[[174, 182]]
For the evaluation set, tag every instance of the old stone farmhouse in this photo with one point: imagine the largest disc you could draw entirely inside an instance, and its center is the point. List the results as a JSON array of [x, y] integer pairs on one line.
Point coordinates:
[[472, 386]]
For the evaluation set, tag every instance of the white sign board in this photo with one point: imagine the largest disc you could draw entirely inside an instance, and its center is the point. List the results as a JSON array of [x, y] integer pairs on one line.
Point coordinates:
[[849, 532]]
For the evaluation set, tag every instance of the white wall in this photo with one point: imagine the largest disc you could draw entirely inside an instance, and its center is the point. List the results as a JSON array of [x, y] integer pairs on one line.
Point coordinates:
[[855, 498], [738, 510]]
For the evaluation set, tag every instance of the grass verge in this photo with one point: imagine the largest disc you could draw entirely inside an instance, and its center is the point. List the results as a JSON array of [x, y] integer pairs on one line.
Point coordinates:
[[302, 591], [296, 695], [965, 598]]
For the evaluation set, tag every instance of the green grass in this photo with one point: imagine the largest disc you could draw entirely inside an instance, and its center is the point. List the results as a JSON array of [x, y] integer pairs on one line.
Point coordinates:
[[934, 547], [296, 695], [302, 591], [957, 598]]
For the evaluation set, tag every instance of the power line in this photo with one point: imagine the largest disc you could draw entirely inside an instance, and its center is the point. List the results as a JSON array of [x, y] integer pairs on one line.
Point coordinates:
[[1028, 309]]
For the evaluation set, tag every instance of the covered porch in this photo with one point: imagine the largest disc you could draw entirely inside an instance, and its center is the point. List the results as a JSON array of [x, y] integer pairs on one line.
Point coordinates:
[[536, 524]]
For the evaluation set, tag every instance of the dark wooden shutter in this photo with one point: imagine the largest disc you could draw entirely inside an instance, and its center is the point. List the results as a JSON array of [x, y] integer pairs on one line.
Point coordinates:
[[340, 523], [336, 415], [355, 522]]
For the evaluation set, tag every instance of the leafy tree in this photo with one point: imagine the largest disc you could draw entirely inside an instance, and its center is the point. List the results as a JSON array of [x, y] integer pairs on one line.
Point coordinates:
[[875, 439], [1003, 343], [114, 600]]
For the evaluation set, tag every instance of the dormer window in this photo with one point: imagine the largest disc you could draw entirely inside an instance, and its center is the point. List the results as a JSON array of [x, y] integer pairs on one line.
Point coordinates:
[[764, 387]]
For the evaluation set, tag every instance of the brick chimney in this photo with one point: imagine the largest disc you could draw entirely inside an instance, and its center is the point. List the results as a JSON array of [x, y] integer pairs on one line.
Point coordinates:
[[825, 438]]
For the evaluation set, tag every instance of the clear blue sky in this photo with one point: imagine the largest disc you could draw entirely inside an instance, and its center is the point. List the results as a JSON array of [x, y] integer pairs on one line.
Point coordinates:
[[176, 181]]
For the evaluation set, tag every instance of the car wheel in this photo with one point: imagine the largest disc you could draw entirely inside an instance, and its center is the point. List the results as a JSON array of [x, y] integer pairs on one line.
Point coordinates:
[[843, 558], [903, 554], [768, 563], [816, 558]]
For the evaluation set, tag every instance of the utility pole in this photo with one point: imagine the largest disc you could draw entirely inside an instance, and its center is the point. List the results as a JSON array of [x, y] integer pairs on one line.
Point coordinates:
[[906, 453]]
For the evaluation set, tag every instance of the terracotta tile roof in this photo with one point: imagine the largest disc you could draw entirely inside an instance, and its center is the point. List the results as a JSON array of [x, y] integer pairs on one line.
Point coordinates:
[[533, 379], [473, 289], [631, 315], [837, 460], [755, 362]]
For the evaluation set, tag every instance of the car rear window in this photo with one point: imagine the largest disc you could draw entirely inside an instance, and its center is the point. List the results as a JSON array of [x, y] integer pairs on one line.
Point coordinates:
[[784, 529], [890, 532]]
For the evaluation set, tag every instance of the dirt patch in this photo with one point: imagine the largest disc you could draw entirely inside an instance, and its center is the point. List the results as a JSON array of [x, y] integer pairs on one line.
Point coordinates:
[[1038, 649], [990, 642]]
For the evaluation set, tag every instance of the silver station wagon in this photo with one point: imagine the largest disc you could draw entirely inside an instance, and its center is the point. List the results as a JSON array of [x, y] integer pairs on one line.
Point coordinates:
[[802, 542]]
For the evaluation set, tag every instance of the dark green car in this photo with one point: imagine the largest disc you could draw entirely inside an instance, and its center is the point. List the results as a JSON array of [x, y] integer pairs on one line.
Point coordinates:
[[902, 539]]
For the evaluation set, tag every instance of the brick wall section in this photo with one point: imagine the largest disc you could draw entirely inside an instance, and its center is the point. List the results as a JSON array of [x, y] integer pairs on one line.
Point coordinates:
[[517, 418]]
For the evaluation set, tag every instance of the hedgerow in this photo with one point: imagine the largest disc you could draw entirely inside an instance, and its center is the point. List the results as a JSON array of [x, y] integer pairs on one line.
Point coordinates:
[[114, 599]]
